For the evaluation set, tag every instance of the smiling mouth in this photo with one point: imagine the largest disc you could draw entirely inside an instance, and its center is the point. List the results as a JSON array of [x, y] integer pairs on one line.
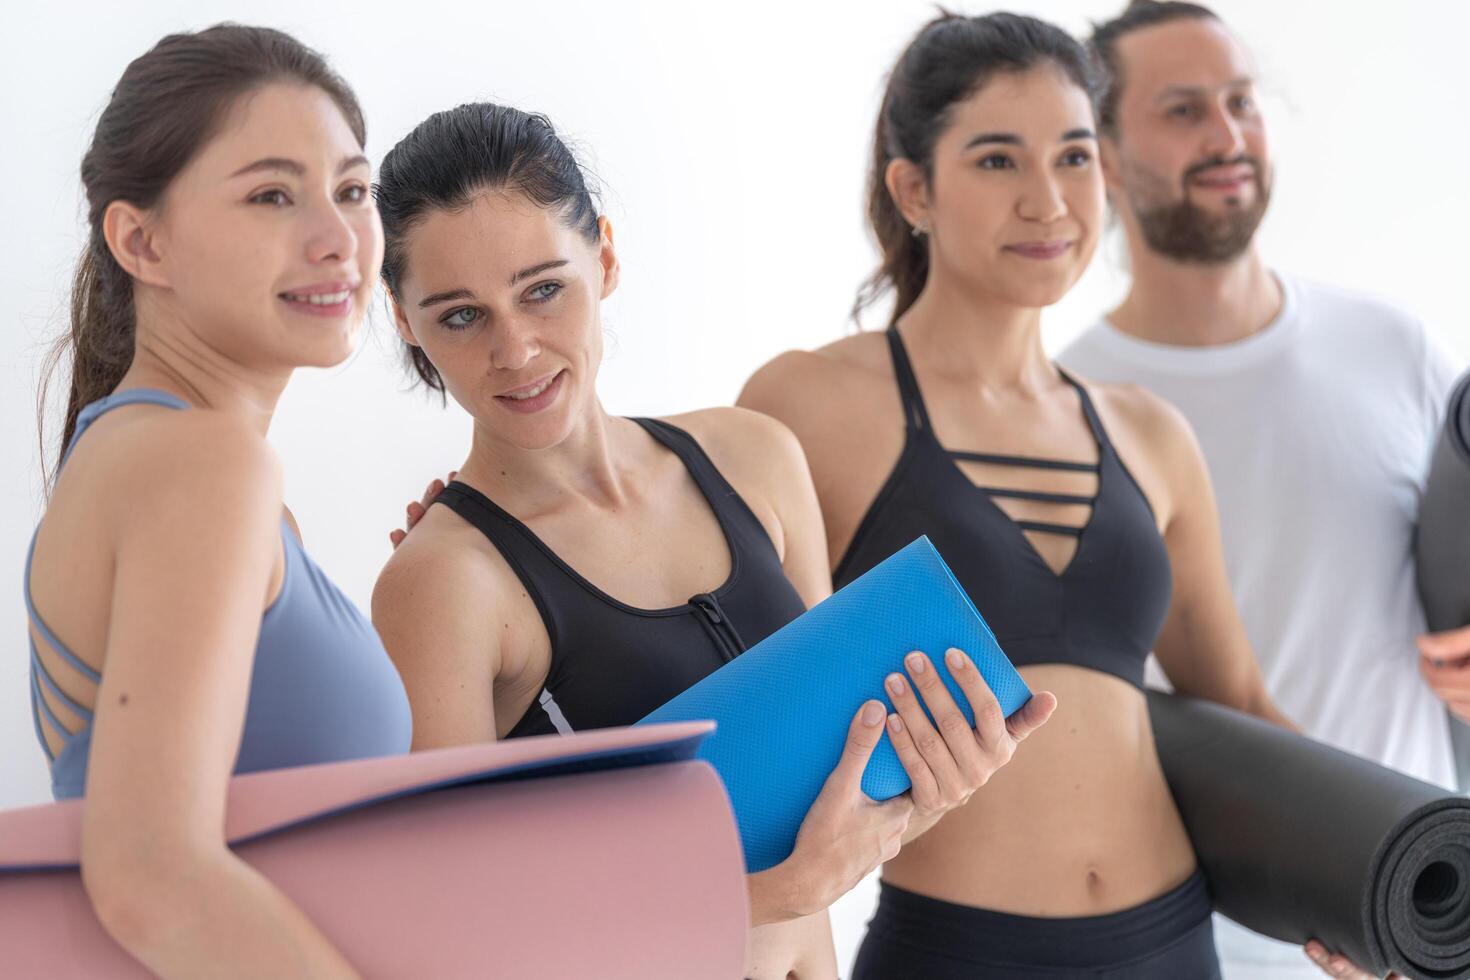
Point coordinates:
[[524, 394], [318, 299], [1040, 250]]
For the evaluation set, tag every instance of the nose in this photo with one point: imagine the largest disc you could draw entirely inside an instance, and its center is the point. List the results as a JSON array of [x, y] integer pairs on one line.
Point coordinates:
[[1223, 137], [331, 238], [1042, 198], [513, 345]]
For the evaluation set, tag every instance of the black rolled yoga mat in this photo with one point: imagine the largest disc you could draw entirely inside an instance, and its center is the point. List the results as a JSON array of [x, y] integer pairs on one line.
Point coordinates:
[[1301, 841], [1442, 543]]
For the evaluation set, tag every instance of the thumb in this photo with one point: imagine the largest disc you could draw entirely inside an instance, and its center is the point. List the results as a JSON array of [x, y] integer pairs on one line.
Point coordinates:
[[1032, 715], [862, 737], [1448, 645]]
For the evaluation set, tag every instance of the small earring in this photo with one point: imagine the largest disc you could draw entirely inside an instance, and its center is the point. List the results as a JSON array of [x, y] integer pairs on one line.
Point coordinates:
[[921, 229]]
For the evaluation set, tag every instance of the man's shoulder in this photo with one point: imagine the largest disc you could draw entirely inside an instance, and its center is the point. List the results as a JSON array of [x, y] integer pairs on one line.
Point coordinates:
[[1346, 308]]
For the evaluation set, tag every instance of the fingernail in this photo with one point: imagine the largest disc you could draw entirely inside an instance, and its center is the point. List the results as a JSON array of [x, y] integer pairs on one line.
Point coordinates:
[[915, 662], [872, 713], [955, 659], [895, 684], [895, 724]]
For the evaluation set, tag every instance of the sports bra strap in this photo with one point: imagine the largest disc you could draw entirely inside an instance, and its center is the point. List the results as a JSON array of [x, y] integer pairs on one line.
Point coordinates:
[[1093, 422], [99, 408], [916, 416]]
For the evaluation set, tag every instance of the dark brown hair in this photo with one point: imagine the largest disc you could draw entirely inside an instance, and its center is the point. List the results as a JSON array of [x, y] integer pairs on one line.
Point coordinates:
[[1104, 46], [167, 105], [944, 64], [459, 153]]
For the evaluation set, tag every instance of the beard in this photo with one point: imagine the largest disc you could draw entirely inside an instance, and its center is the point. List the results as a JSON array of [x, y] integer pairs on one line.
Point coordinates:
[[1179, 229]]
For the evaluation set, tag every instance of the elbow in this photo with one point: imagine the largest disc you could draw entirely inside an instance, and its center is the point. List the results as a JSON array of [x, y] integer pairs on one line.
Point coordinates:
[[140, 901]]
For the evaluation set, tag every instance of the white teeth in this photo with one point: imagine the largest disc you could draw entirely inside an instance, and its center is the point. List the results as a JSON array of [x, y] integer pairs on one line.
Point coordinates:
[[321, 299], [532, 393]]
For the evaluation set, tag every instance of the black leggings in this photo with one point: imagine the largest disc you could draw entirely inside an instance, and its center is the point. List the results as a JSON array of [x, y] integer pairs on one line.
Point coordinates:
[[913, 937]]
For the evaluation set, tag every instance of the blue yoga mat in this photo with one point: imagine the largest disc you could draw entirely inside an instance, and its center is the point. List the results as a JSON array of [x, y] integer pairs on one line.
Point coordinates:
[[783, 708]]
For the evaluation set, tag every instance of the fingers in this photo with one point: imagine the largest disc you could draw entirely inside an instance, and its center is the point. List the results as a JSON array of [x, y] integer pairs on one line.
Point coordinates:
[[396, 536], [932, 743], [1335, 965], [862, 738], [990, 721], [432, 491], [1451, 683], [1446, 646], [1032, 715], [925, 788]]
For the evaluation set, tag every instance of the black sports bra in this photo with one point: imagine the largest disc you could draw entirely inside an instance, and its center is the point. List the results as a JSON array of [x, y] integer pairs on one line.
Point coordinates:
[[612, 663], [1103, 611]]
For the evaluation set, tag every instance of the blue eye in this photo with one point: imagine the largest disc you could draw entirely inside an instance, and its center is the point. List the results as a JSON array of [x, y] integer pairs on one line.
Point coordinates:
[[458, 319], [541, 292], [274, 197], [996, 161]]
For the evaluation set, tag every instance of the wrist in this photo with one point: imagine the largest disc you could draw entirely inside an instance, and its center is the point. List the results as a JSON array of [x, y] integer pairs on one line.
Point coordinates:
[[781, 893]]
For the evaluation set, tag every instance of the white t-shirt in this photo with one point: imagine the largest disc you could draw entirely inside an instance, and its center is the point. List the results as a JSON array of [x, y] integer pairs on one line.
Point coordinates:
[[1317, 431]]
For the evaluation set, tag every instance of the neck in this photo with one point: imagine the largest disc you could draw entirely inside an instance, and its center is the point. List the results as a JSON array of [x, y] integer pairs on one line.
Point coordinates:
[[977, 339], [170, 356], [582, 466], [1189, 304]]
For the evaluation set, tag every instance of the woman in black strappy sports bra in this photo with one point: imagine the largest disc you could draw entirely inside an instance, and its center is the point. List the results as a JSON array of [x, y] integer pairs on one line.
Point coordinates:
[[584, 569], [1078, 517]]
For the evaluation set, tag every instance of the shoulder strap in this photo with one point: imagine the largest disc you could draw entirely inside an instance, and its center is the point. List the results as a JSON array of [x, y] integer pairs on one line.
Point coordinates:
[[1089, 411], [132, 396], [916, 416], [707, 476]]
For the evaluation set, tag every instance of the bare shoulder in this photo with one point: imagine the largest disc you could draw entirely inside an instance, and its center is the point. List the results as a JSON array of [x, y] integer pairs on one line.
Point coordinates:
[[1146, 417], [737, 436], [801, 376], [443, 567]]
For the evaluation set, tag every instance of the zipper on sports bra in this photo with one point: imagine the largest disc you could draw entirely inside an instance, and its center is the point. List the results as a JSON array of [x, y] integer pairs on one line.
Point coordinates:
[[719, 626]]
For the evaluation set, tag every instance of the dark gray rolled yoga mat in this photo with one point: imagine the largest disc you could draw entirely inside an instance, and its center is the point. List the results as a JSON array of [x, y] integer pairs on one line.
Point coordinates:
[[1301, 841], [1442, 543]]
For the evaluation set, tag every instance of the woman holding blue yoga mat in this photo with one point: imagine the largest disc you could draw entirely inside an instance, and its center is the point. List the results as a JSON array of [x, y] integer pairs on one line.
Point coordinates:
[[583, 569], [1079, 518], [179, 633]]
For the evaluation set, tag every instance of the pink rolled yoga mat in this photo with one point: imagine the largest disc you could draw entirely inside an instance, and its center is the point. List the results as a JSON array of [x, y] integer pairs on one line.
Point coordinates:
[[607, 854]]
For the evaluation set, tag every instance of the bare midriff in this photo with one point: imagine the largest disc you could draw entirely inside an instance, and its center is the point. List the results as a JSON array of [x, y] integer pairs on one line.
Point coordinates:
[[1079, 823]]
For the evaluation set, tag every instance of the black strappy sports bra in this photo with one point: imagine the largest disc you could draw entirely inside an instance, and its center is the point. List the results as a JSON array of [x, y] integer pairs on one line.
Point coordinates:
[[1103, 611], [612, 663]]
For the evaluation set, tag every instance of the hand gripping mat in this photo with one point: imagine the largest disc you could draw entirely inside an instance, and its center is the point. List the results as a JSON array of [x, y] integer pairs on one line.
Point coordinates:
[[1442, 543], [606, 854], [783, 708], [1301, 841]]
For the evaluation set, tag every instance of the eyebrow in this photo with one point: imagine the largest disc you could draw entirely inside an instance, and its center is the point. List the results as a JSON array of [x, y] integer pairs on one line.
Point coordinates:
[[293, 167], [537, 270], [1177, 90], [462, 293], [1012, 139]]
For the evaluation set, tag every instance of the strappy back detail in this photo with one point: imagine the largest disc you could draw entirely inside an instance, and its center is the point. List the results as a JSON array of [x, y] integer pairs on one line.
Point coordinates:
[[322, 686], [40, 675], [1083, 612]]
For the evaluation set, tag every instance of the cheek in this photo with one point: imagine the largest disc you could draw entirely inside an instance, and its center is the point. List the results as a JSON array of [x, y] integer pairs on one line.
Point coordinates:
[[369, 230]]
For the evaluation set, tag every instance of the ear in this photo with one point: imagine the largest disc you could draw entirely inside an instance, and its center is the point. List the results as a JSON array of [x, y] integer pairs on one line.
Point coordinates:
[[607, 257], [401, 324], [909, 189], [132, 239], [1107, 158]]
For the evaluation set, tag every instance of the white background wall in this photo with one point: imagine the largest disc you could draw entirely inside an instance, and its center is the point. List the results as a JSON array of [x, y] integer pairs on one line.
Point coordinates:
[[732, 140]]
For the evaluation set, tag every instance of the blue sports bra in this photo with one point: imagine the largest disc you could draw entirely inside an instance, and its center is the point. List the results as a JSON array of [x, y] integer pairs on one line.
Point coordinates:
[[322, 688]]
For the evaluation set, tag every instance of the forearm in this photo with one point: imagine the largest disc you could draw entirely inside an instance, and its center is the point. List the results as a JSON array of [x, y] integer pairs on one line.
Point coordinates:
[[919, 825], [773, 896], [219, 919]]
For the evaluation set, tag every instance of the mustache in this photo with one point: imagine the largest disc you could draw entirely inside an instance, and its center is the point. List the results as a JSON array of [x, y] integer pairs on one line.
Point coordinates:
[[1218, 161]]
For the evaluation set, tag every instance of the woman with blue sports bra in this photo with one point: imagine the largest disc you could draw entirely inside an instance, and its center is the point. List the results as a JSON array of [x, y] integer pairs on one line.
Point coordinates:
[[1078, 517], [583, 568], [179, 632]]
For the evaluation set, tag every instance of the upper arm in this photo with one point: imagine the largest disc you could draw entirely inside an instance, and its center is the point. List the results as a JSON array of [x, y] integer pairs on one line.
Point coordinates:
[[1203, 647], [432, 607], [196, 543]]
